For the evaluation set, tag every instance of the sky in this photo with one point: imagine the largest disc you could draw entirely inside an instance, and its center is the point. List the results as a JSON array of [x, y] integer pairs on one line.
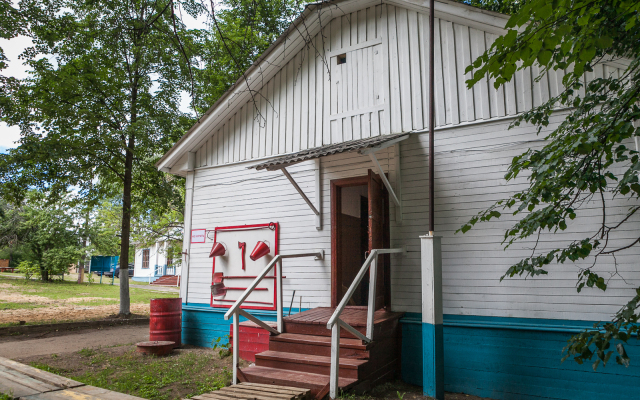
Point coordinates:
[[12, 48]]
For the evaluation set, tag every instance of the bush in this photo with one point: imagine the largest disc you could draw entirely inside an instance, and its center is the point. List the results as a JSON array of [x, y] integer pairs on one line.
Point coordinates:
[[29, 269]]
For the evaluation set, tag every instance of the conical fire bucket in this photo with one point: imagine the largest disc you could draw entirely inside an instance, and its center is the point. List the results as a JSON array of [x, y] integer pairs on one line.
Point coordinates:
[[261, 250], [218, 249]]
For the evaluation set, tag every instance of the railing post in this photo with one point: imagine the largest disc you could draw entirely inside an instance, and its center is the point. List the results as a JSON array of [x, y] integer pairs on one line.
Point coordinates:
[[279, 310], [335, 360], [236, 342], [371, 305]]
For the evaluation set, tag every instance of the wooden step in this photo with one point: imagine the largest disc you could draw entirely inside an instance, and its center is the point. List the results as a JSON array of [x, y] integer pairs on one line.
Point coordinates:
[[273, 376], [314, 322], [349, 367], [318, 345], [256, 391]]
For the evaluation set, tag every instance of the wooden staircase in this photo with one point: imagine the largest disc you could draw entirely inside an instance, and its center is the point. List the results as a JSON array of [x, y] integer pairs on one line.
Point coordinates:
[[166, 280], [300, 357]]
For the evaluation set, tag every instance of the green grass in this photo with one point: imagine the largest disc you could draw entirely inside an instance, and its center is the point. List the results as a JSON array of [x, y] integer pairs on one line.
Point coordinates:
[[178, 376], [58, 290], [6, 396], [5, 305]]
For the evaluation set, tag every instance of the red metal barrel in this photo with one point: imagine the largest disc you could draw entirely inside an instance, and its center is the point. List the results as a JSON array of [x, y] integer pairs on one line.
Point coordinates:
[[166, 320]]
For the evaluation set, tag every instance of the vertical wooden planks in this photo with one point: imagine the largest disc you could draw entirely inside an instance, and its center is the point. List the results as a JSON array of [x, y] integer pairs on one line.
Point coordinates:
[[439, 91], [257, 123], [416, 78], [395, 107], [297, 100], [232, 138], [540, 86], [239, 121], [282, 129], [242, 128], [496, 96], [289, 117], [327, 82], [214, 148], [321, 79], [481, 98], [404, 68], [463, 58], [362, 25], [450, 78], [423, 34], [275, 123], [382, 125], [268, 150], [304, 98], [311, 96], [249, 133]]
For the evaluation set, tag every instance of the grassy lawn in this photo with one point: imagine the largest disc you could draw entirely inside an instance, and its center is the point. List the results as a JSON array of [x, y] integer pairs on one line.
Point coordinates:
[[184, 373], [57, 290]]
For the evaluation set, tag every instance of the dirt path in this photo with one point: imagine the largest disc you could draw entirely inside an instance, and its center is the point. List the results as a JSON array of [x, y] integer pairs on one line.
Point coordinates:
[[67, 313], [17, 350]]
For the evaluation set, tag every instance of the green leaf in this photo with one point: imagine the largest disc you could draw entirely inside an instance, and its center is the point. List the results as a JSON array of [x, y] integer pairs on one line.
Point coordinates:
[[544, 57]]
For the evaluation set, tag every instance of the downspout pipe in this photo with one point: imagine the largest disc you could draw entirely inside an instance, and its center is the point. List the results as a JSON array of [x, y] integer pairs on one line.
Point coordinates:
[[431, 117]]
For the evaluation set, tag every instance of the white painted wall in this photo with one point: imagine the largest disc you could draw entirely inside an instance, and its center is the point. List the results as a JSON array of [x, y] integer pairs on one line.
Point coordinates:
[[383, 87], [157, 257], [470, 165]]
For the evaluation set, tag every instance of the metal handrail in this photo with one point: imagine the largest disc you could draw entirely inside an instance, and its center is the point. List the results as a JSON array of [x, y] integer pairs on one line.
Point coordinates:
[[155, 270], [236, 311], [335, 323]]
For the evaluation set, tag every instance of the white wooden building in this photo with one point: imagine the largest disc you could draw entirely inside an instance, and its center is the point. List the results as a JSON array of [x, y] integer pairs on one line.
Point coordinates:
[[346, 81], [153, 262]]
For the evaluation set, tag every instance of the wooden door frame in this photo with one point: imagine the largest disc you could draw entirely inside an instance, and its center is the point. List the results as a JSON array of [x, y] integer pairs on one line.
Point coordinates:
[[336, 220]]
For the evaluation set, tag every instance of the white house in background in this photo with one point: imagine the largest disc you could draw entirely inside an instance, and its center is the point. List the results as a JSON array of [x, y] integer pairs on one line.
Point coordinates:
[[152, 263], [322, 147]]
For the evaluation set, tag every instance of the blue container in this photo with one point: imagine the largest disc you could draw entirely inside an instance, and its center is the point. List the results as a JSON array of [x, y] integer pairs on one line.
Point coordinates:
[[102, 264]]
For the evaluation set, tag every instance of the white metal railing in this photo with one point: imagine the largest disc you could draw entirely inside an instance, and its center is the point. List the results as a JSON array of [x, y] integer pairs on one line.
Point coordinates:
[[236, 311], [155, 271], [335, 323]]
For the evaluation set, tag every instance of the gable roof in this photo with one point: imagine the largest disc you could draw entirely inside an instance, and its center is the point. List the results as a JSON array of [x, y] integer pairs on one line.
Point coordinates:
[[314, 17]]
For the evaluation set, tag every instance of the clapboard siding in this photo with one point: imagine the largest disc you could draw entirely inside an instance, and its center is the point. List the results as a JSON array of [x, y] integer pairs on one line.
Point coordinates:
[[382, 88], [470, 166], [235, 195]]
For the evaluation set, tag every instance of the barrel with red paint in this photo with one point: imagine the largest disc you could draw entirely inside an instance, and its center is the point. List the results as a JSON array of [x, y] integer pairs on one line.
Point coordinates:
[[166, 320]]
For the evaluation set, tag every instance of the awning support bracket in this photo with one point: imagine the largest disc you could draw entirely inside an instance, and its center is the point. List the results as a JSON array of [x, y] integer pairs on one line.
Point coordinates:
[[392, 193], [315, 209]]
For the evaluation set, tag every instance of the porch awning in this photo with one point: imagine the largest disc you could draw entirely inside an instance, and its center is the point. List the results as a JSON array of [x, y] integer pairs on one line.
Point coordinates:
[[364, 146]]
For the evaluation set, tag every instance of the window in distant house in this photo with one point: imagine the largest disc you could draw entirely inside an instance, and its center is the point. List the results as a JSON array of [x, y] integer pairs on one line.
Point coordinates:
[[169, 259], [145, 258]]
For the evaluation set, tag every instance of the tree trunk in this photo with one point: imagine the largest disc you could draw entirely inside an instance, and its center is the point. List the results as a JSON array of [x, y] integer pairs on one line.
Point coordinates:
[[125, 300], [84, 247]]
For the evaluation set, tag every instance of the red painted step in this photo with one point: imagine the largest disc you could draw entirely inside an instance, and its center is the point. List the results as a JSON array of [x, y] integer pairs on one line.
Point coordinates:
[[318, 345], [349, 367], [275, 376], [300, 357], [166, 280]]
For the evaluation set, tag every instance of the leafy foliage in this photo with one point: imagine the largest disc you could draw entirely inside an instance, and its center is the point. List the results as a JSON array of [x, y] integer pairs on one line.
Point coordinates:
[[101, 105], [587, 159], [46, 231], [241, 30]]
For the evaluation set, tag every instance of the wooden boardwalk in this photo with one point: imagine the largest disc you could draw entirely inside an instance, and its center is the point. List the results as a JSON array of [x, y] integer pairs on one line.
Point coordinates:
[[29, 383], [255, 391]]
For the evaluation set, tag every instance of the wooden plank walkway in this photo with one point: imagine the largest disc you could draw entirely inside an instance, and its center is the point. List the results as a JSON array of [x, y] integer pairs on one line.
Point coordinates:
[[255, 391], [24, 382], [29, 383]]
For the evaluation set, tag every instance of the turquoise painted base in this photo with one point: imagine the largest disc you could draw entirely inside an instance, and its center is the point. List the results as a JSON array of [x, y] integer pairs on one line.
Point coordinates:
[[432, 361], [202, 324], [517, 359]]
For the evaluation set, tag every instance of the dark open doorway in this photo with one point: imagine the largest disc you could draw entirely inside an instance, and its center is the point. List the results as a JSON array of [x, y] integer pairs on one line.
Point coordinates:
[[359, 222]]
